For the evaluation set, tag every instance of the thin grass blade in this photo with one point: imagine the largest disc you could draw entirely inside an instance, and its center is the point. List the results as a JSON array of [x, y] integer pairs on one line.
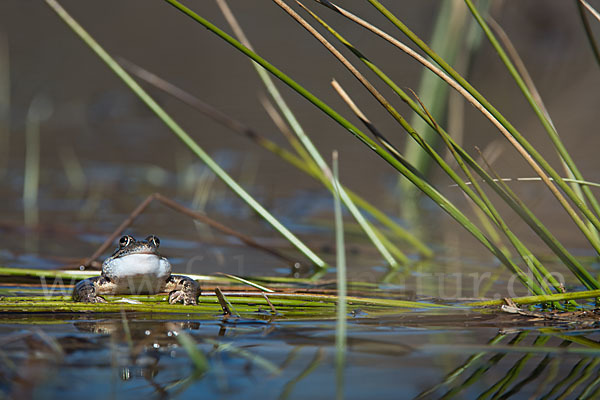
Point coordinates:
[[182, 135]]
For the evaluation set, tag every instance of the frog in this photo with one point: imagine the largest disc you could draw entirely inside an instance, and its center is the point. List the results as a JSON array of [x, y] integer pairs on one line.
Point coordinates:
[[136, 267]]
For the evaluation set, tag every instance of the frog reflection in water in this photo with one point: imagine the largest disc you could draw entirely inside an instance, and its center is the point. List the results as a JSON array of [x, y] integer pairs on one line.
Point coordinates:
[[136, 267]]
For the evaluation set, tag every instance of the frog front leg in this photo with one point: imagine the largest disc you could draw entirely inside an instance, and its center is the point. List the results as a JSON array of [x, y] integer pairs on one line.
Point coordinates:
[[182, 289], [88, 290]]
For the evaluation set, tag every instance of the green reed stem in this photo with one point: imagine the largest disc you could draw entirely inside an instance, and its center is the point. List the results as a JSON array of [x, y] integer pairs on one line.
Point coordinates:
[[383, 246], [546, 123], [447, 36], [482, 204], [514, 203], [530, 260], [429, 190], [532, 152], [531, 220], [182, 135], [341, 323]]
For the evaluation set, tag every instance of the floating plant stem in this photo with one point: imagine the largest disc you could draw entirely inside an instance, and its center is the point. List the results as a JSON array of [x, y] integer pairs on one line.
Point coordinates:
[[247, 282], [588, 294]]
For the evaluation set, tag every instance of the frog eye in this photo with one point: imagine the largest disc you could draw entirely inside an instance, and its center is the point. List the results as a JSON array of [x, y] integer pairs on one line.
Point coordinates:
[[124, 241], [153, 240]]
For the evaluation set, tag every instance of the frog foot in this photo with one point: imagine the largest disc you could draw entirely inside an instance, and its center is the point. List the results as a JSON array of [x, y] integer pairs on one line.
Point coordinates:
[[85, 290], [182, 289]]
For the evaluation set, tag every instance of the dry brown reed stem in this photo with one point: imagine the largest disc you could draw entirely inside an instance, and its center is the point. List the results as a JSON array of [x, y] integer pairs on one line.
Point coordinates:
[[190, 213], [273, 309], [593, 11], [223, 303], [360, 115]]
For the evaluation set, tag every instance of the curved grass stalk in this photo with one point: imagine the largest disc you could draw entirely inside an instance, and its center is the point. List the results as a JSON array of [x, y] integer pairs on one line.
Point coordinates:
[[247, 282], [520, 66], [537, 106], [530, 260], [482, 202], [371, 232], [514, 203], [429, 190], [408, 128], [527, 151], [183, 136]]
